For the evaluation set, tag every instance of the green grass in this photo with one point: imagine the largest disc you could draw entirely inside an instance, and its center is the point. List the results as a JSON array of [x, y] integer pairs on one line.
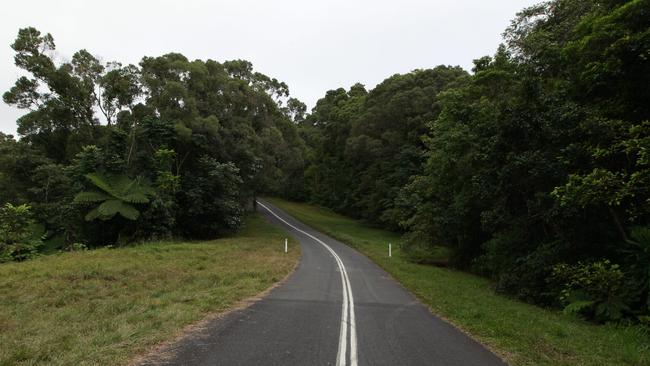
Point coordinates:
[[522, 334], [105, 306]]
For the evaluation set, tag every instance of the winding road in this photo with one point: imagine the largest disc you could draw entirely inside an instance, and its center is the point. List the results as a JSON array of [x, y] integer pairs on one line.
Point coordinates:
[[337, 308]]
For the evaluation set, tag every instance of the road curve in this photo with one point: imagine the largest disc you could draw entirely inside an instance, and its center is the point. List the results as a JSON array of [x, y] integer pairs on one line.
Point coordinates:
[[337, 308]]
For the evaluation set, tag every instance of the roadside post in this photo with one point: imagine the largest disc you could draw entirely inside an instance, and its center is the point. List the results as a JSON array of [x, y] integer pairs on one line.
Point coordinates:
[[286, 243]]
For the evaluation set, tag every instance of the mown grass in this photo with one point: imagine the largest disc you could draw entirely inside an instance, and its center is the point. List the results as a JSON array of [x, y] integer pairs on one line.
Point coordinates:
[[520, 333], [102, 307]]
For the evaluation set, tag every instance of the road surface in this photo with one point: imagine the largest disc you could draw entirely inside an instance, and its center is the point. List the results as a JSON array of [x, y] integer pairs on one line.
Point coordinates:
[[337, 308]]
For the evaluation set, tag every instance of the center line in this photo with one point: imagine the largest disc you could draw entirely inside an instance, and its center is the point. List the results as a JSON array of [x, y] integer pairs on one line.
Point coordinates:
[[348, 303]]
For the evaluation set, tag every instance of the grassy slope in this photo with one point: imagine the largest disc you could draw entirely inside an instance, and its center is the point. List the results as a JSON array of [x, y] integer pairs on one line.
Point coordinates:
[[522, 334], [105, 306]]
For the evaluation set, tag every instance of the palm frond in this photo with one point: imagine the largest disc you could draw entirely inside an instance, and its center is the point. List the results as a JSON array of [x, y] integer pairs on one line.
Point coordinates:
[[142, 185], [128, 212], [119, 191], [102, 182], [109, 208], [122, 184], [92, 215], [135, 197], [90, 197]]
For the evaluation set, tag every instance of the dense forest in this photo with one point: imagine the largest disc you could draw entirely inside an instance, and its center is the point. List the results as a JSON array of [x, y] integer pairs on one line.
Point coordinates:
[[532, 170]]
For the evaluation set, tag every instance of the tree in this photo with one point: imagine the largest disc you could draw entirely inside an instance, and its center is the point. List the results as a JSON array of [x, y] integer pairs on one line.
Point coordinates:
[[18, 240]]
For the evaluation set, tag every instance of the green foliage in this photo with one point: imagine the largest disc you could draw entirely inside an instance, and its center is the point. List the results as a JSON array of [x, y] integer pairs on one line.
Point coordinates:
[[159, 219], [210, 199], [595, 290], [18, 239], [116, 195], [366, 145], [614, 184], [166, 181]]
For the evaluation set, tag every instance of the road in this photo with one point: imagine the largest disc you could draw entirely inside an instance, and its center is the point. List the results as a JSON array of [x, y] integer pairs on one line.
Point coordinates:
[[337, 308]]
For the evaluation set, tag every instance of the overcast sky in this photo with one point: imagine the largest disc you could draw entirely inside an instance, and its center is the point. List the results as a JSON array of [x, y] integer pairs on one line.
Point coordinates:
[[313, 46]]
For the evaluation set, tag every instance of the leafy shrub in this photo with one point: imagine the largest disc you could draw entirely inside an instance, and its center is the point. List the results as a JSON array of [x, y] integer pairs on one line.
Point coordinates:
[[17, 239], [210, 201], [525, 276], [159, 220], [595, 290]]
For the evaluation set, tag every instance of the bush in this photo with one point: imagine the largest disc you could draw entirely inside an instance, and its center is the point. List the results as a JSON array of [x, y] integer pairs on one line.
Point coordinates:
[[17, 239], [595, 290], [210, 201], [526, 278], [159, 220]]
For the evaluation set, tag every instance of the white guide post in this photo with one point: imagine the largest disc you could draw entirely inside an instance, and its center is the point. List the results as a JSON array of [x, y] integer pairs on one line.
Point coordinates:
[[286, 243], [390, 250]]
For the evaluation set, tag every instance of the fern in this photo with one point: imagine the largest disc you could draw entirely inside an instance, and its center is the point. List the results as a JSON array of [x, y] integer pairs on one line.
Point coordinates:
[[102, 182], [128, 211], [579, 306], [116, 196], [92, 215], [135, 197]]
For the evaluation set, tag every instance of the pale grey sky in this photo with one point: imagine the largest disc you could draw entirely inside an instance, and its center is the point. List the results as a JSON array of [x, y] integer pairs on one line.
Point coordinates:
[[313, 46]]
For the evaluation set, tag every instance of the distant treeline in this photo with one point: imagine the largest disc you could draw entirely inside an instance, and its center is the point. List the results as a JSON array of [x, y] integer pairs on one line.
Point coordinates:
[[533, 170]]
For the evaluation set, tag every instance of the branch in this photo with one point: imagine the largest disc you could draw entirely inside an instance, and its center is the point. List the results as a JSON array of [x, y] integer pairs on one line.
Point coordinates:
[[99, 104]]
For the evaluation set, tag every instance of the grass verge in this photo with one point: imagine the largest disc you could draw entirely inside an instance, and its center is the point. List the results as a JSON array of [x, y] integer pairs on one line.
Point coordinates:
[[520, 333], [104, 306]]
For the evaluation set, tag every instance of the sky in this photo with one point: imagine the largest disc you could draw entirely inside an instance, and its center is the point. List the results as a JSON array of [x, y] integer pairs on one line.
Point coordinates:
[[313, 46]]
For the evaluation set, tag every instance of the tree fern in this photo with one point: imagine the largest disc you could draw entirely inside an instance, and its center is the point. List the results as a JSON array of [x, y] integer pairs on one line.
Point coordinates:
[[91, 197], [116, 196]]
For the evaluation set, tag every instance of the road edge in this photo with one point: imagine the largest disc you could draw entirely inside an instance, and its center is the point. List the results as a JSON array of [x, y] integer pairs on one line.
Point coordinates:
[[163, 351]]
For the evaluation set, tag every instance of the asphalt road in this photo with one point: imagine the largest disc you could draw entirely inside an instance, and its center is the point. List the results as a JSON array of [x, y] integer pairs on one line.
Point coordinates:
[[337, 308]]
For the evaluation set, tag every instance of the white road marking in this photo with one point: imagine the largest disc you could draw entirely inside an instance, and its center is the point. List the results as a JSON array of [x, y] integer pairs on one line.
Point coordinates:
[[348, 304]]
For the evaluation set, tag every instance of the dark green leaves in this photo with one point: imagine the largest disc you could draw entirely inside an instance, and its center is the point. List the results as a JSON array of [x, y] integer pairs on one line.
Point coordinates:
[[117, 195]]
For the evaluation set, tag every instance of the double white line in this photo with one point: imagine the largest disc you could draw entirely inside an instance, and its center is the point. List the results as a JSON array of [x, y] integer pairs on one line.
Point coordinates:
[[348, 324]]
